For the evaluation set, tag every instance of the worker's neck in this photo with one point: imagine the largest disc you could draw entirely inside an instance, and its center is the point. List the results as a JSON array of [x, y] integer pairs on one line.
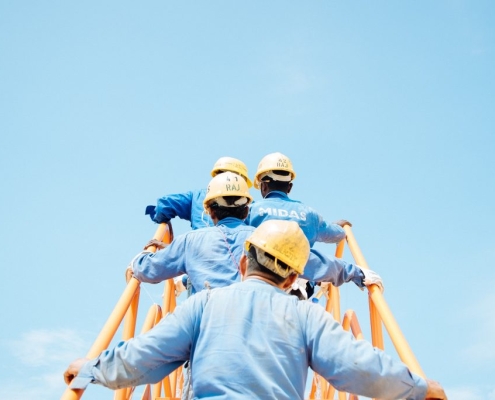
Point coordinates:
[[264, 194], [262, 278]]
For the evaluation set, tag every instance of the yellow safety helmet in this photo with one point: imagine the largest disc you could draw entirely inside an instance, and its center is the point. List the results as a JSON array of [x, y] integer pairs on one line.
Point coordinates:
[[231, 164], [283, 240], [274, 162], [225, 185]]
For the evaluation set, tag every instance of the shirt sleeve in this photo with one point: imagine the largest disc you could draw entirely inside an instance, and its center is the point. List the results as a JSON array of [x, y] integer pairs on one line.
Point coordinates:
[[321, 268], [355, 366], [174, 205], [162, 265], [329, 233], [149, 357]]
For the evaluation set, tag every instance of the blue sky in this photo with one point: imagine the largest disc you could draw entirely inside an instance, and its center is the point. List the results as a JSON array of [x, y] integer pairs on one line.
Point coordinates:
[[386, 110]]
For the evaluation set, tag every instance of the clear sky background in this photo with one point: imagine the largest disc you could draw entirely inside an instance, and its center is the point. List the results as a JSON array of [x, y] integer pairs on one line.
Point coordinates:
[[387, 110]]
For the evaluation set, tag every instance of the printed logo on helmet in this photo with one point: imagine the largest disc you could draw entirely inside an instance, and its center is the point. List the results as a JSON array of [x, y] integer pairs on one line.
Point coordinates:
[[283, 163]]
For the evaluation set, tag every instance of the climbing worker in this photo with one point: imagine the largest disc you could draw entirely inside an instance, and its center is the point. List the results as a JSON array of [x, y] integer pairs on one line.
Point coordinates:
[[210, 254], [253, 341], [274, 179], [189, 205]]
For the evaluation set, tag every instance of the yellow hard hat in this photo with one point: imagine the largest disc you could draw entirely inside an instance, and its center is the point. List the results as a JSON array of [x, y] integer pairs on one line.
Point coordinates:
[[231, 164], [274, 162], [283, 240], [225, 185]]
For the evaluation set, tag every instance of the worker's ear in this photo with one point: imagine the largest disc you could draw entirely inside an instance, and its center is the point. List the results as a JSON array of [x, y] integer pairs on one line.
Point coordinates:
[[289, 187], [243, 266], [263, 189], [289, 281], [245, 213], [213, 215]]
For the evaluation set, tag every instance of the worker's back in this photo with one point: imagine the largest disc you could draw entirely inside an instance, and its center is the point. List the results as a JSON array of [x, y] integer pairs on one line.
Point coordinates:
[[253, 341], [250, 345], [278, 205]]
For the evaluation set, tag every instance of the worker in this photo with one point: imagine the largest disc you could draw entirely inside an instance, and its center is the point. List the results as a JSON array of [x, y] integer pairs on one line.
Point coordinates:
[[253, 341], [210, 254], [274, 179], [189, 205]]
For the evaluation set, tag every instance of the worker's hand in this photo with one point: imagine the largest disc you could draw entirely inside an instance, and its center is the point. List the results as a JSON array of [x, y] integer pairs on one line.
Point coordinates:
[[372, 278], [128, 273], [298, 289], [73, 369], [434, 391], [179, 285], [157, 243], [324, 285], [342, 222]]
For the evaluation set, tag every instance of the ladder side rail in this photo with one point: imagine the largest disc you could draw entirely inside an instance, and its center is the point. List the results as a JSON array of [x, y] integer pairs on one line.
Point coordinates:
[[332, 295], [162, 234], [115, 319], [400, 343], [128, 332]]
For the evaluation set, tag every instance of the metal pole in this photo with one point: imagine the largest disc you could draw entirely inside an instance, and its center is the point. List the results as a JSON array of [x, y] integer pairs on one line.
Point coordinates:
[[401, 346]]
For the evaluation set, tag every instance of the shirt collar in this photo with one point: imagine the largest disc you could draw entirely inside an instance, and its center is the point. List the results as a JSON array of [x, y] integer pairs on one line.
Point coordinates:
[[231, 222], [277, 194]]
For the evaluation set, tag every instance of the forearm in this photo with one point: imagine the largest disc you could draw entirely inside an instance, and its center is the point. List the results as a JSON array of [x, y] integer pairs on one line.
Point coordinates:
[[151, 268], [117, 368], [383, 378], [355, 366], [321, 268], [174, 205], [331, 233], [148, 358]]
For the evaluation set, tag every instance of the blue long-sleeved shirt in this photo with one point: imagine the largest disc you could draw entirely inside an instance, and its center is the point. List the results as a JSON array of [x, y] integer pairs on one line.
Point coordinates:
[[252, 341], [277, 205], [212, 255], [188, 206], [208, 254]]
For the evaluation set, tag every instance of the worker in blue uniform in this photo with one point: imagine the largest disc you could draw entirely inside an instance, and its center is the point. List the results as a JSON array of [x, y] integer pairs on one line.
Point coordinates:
[[210, 254], [253, 341], [274, 178], [189, 205]]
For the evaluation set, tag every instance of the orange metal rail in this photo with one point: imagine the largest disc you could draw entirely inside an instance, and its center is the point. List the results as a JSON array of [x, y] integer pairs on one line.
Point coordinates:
[[379, 312], [121, 308]]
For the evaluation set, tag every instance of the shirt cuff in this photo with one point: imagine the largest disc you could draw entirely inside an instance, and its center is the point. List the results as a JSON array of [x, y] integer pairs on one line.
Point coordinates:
[[420, 387], [85, 376], [358, 278]]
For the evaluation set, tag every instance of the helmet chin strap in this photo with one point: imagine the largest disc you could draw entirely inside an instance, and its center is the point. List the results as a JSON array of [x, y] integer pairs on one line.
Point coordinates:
[[206, 222]]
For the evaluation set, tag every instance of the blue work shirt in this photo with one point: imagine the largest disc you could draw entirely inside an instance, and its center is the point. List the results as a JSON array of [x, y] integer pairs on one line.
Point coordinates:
[[277, 205], [206, 255], [252, 341], [188, 206], [212, 255]]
